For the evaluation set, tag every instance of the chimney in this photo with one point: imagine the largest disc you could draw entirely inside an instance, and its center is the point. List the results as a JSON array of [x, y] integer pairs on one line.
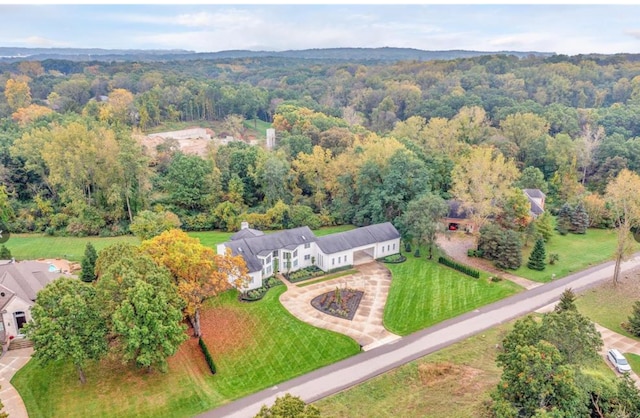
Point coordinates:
[[244, 225]]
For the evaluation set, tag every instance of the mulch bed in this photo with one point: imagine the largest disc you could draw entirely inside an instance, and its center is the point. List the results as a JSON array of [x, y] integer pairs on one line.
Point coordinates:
[[341, 303]]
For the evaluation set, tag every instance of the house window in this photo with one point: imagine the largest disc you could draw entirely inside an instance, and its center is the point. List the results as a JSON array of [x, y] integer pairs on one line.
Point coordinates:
[[275, 253], [295, 253], [394, 246], [307, 257], [307, 245], [333, 261], [388, 247], [295, 263]]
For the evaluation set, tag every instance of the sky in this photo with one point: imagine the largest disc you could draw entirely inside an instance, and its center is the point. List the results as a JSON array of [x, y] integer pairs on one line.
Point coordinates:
[[569, 29]]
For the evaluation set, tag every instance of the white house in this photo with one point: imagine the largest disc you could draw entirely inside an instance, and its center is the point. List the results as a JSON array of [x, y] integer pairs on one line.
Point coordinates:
[[293, 249], [19, 284]]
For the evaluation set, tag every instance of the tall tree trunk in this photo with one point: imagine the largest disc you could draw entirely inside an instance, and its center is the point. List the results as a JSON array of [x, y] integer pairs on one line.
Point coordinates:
[[129, 208], [83, 378], [195, 322], [616, 270]]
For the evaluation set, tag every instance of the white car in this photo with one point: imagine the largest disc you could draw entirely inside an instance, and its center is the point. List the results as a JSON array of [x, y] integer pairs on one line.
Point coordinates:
[[619, 362]]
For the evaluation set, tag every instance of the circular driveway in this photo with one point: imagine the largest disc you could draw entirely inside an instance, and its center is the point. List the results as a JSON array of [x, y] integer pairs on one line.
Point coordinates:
[[366, 327]]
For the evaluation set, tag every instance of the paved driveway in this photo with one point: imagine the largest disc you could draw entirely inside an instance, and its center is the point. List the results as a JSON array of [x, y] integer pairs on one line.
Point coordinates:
[[624, 344], [10, 363], [366, 327]]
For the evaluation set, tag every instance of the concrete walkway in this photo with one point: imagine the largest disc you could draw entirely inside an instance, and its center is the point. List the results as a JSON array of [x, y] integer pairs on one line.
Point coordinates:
[[624, 344], [366, 327], [10, 363], [339, 376]]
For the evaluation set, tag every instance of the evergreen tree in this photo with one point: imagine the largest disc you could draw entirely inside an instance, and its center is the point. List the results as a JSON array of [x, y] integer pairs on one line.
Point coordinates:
[[5, 254], [544, 226], [563, 223], [538, 256], [510, 254], [634, 320], [579, 219], [567, 301], [89, 264]]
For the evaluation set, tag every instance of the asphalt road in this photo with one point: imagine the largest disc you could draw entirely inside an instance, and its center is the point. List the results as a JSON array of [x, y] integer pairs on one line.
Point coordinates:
[[354, 370]]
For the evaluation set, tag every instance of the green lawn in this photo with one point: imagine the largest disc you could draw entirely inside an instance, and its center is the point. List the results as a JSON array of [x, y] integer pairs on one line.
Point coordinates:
[[634, 361], [577, 252], [254, 345], [610, 305], [34, 246], [257, 125], [424, 293]]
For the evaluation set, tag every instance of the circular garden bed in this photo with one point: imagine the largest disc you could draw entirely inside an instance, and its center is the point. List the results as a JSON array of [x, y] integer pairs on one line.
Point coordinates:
[[341, 303]]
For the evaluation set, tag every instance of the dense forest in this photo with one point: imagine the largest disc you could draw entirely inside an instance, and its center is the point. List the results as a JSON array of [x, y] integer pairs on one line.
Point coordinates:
[[356, 142]]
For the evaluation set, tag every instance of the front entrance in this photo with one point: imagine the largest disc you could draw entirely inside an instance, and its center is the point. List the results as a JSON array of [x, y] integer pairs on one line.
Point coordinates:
[[21, 319]]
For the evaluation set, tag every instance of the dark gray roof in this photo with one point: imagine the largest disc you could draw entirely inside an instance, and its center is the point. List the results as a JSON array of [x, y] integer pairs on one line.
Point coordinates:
[[371, 234], [26, 278], [536, 193], [532, 194], [250, 248], [456, 211], [246, 233]]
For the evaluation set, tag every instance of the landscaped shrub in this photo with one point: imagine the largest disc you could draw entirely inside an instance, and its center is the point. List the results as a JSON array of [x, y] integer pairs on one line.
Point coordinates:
[[337, 269], [553, 258], [496, 279], [207, 355], [471, 252], [417, 253], [394, 259], [460, 267], [272, 282], [304, 274]]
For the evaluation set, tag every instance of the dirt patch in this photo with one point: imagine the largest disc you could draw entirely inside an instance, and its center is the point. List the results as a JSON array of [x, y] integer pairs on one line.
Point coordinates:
[[436, 373], [226, 330]]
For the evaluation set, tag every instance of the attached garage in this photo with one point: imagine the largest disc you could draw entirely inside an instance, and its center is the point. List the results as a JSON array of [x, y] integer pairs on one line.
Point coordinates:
[[363, 256]]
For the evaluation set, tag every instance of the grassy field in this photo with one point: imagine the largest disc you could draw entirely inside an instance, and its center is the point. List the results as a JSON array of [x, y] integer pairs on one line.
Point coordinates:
[[254, 345], [424, 293], [258, 126], [577, 252], [610, 305], [450, 383], [34, 246]]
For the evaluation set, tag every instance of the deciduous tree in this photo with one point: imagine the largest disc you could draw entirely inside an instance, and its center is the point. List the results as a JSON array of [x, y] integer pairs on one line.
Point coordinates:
[[147, 224], [148, 326], [423, 219], [289, 406], [67, 325], [198, 271], [624, 199], [479, 180]]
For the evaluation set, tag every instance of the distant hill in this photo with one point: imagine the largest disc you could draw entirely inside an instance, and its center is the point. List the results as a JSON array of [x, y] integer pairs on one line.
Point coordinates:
[[9, 54]]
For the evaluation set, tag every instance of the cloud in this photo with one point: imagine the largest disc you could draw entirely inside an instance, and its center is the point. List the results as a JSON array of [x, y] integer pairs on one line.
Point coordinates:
[[635, 33], [39, 41]]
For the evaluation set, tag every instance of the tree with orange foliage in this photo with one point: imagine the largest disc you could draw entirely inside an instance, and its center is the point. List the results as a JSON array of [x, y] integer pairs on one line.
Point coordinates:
[[26, 115], [198, 271]]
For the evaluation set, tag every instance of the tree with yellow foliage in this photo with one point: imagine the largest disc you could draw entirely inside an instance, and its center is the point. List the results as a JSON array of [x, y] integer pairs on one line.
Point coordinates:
[[198, 271]]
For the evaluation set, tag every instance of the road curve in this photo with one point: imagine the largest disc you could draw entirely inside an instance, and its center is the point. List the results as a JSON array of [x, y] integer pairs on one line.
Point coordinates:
[[336, 377]]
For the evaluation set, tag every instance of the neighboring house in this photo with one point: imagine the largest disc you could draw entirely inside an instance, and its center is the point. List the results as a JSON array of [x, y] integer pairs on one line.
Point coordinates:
[[19, 284], [458, 219], [536, 199], [293, 249]]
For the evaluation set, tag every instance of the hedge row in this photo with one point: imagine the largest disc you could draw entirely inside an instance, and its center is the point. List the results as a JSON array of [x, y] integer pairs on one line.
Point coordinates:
[[460, 267], [207, 355]]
